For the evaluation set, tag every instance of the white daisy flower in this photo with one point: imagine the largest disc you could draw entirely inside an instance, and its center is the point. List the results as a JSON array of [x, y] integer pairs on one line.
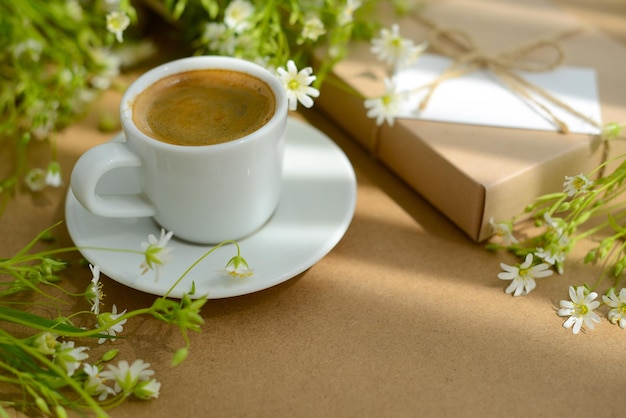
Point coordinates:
[[392, 48], [94, 384], [618, 304], [238, 267], [298, 85], [237, 15], [523, 276], [147, 389], [576, 184], [212, 35], [53, 175], [104, 319], [313, 28], [504, 230], [46, 343], [69, 357], [36, 179], [387, 107], [125, 376], [156, 253], [347, 14], [117, 23], [579, 309], [94, 290]]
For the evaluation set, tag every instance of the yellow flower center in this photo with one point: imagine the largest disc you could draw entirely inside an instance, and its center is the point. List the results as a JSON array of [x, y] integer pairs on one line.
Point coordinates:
[[578, 183], [293, 84]]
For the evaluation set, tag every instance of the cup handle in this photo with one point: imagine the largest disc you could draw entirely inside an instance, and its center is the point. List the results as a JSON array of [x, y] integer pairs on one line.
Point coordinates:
[[90, 168]]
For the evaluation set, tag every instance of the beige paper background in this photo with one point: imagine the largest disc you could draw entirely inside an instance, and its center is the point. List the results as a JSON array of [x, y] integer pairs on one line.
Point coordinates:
[[404, 318]]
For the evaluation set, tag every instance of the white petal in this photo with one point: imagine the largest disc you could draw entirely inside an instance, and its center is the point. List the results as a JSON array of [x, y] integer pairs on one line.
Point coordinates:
[[609, 301], [507, 276], [291, 67], [572, 293], [527, 262], [590, 297], [592, 316], [570, 321], [511, 287], [306, 101]]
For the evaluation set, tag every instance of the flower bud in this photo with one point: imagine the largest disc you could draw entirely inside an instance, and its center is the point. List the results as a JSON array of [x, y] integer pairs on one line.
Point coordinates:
[[180, 356], [60, 411]]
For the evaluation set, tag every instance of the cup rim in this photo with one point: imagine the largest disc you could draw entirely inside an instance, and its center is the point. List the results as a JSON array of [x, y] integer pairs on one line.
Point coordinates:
[[200, 63]]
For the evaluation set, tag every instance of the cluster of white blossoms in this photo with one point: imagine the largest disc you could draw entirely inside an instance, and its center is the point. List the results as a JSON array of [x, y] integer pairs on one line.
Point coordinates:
[[37, 179], [556, 241], [109, 323], [581, 307], [231, 34], [390, 47], [223, 37], [121, 379]]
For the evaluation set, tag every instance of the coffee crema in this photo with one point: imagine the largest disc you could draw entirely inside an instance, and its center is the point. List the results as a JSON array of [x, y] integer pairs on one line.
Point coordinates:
[[204, 107]]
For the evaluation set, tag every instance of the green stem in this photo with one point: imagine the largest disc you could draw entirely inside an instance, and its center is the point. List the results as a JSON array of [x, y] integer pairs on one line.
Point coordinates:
[[59, 372], [195, 263], [69, 333]]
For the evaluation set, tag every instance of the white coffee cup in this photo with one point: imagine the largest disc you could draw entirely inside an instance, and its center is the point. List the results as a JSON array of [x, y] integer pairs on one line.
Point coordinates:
[[205, 194]]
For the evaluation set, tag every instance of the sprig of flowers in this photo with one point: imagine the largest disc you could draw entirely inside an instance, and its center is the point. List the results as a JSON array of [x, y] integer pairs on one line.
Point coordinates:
[[272, 33], [52, 350], [398, 52], [584, 209], [55, 59]]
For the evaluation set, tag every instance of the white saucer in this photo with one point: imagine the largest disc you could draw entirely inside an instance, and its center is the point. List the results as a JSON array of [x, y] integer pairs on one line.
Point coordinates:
[[316, 207]]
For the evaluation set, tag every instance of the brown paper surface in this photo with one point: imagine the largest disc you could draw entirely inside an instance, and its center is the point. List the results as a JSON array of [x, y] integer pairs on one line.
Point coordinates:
[[404, 318], [473, 173]]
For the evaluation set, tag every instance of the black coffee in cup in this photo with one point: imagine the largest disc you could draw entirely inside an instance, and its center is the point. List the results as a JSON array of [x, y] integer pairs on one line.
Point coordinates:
[[204, 107]]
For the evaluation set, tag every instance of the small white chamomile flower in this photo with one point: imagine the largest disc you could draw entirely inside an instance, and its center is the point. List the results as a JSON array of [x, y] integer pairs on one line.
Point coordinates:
[[298, 85], [580, 309], [523, 275]]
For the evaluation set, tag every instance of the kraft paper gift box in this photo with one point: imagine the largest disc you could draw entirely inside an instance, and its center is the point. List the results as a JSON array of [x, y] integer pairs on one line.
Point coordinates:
[[473, 172]]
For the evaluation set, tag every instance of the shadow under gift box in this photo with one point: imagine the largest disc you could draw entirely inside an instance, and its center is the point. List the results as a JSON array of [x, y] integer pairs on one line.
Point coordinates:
[[472, 173]]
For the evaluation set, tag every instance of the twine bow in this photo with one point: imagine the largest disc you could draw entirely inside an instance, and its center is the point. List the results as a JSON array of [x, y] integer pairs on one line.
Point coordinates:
[[467, 57]]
